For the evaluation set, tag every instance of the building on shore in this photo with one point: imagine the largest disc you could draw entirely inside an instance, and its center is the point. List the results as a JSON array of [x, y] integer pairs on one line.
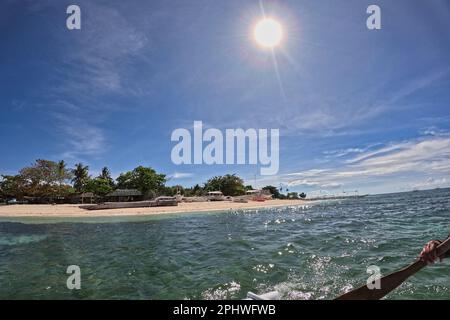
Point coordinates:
[[258, 195], [215, 196], [87, 197], [124, 195]]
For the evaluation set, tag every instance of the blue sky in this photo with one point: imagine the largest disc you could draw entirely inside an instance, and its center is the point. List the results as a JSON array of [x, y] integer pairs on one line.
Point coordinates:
[[357, 109]]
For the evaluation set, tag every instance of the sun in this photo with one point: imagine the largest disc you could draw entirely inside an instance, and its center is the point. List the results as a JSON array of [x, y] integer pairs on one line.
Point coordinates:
[[268, 33]]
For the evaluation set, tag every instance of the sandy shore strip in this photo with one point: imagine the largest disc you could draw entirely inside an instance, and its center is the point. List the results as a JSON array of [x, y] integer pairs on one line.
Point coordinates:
[[72, 210]]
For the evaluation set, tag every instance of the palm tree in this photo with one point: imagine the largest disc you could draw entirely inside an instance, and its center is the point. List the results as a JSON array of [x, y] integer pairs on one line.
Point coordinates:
[[106, 175], [80, 177], [62, 172]]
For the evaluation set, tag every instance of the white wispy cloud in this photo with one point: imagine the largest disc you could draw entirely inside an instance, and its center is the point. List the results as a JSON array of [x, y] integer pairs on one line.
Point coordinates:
[[380, 151], [434, 131], [427, 155], [97, 61], [94, 65], [341, 153], [181, 175], [417, 160], [345, 113], [431, 183], [82, 138]]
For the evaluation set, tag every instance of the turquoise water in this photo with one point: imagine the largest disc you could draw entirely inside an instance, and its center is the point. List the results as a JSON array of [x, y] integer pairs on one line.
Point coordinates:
[[311, 252]]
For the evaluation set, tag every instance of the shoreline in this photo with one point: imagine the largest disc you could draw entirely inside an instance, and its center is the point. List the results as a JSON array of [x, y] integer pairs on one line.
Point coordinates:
[[73, 210]]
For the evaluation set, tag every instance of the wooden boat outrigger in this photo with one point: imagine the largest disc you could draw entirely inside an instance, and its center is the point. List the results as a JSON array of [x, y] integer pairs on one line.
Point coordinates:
[[158, 202]]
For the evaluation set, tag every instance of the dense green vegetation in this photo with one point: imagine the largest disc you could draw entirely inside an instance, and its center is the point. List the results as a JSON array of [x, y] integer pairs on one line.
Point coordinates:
[[49, 181]]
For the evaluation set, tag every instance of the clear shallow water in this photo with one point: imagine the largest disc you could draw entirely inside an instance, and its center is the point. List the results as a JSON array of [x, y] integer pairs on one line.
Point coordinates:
[[313, 252]]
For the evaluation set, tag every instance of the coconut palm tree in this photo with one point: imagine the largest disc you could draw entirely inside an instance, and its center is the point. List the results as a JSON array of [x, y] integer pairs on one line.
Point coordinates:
[[106, 175], [62, 172], [80, 177]]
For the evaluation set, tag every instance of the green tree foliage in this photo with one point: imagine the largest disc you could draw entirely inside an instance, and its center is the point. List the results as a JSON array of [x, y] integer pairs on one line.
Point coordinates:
[[44, 179], [106, 175], [274, 191], [98, 186], [173, 190], [63, 173], [292, 195], [12, 187], [41, 172], [41, 178], [143, 179], [195, 191], [230, 185], [80, 177], [213, 184]]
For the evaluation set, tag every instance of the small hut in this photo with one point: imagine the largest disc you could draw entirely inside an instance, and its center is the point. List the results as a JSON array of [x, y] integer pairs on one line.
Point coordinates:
[[215, 196], [87, 197], [124, 195], [258, 194]]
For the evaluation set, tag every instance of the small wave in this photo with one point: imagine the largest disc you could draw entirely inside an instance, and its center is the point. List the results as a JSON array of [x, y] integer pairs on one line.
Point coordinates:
[[263, 268], [18, 240], [225, 291]]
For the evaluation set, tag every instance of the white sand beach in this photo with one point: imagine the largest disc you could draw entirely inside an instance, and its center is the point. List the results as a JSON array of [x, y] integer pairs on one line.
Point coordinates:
[[72, 210]]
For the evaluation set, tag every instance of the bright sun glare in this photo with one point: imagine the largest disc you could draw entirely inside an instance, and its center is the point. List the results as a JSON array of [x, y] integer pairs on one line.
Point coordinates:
[[268, 33]]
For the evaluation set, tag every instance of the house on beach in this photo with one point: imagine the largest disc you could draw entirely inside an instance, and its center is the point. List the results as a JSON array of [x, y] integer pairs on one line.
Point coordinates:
[[124, 195]]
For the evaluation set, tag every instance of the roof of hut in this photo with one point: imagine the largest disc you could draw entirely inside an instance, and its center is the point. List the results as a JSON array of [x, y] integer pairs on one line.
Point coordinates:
[[124, 193], [87, 195]]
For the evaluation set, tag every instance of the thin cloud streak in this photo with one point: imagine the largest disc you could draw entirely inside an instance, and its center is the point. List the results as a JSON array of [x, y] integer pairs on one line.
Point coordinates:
[[416, 160], [97, 65], [83, 138]]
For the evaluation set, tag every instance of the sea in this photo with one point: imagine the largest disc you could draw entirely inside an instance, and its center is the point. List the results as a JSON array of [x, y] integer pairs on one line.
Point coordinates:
[[314, 251]]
